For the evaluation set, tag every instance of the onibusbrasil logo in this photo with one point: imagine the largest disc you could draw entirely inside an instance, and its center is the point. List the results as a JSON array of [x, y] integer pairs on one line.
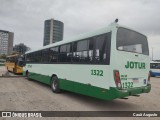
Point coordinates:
[[21, 114]]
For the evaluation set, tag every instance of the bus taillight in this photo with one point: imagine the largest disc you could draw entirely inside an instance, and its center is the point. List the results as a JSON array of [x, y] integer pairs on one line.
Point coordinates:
[[117, 79]]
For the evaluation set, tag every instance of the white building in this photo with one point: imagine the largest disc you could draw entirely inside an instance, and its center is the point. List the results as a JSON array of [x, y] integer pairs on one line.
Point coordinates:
[[6, 42]]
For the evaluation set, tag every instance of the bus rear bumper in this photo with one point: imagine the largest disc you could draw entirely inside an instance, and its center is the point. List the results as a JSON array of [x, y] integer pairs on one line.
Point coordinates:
[[131, 91]]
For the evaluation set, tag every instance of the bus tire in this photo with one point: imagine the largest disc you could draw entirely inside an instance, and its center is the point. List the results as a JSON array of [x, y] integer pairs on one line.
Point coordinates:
[[27, 75], [55, 84]]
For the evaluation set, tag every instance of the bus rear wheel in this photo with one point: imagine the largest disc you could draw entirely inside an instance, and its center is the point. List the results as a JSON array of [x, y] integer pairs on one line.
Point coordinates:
[[55, 84]]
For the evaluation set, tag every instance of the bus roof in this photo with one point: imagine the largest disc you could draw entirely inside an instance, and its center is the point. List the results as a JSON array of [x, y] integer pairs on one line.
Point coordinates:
[[154, 62]]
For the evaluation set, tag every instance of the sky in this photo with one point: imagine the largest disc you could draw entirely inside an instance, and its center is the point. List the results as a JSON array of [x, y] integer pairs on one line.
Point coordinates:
[[26, 18]]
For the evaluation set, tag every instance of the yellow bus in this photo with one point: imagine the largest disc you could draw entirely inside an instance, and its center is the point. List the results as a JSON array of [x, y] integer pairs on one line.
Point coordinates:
[[14, 63]]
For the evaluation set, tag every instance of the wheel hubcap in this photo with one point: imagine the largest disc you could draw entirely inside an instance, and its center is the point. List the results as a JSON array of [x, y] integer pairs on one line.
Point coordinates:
[[54, 84]]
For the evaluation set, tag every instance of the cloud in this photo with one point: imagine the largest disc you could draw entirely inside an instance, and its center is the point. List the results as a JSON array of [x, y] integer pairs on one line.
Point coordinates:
[[26, 17]]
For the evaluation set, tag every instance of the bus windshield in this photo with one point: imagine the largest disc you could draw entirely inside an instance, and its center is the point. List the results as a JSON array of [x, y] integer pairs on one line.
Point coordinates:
[[20, 62], [131, 41]]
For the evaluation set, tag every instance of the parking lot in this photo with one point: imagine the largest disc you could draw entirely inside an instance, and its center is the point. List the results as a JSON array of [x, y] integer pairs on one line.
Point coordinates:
[[19, 94]]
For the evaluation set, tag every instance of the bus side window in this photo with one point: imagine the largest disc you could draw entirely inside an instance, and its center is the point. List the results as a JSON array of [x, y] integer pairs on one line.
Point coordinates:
[[45, 55], [65, 53], [75, 57], [100, 49], [53, 55], [69, 52], [90, 52], [37, 57], [82, 51]]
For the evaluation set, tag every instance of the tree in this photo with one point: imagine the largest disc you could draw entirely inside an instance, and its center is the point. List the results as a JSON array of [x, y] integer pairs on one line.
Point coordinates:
[[3, 56]]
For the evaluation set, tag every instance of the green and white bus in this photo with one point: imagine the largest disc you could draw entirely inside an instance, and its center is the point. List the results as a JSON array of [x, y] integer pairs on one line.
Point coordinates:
[[109, 63]]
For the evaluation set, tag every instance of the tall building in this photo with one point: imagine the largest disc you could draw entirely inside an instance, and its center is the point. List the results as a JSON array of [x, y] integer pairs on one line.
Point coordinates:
[[21, 48], [6, 42], [53, 31]]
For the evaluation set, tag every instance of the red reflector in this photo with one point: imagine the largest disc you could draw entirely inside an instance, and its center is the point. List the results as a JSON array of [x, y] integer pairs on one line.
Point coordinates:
[[117, 78], [116, 74]]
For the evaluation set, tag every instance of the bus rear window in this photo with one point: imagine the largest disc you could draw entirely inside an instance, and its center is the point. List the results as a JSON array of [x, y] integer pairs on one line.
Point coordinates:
[[131, 41]]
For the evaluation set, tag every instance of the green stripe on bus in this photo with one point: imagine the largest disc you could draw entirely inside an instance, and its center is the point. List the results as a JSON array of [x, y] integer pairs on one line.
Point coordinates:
[[89, 90], [42, 78]]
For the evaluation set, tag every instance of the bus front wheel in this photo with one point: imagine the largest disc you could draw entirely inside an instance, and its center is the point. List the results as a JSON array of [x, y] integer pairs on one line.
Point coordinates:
[[55, 84], [27, 74]]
